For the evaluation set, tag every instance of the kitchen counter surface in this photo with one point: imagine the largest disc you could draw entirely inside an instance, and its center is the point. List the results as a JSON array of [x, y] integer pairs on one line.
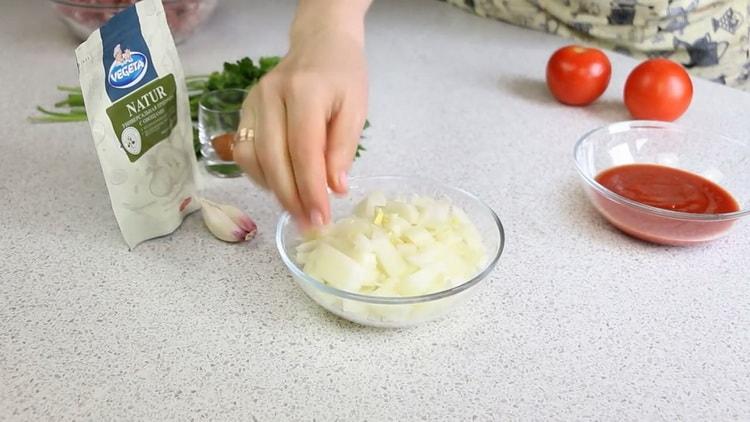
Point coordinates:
[[578, 322]]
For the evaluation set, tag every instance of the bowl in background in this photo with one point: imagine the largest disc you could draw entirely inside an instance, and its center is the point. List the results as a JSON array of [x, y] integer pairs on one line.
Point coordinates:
[[395, 311], [717, 158], [85, 16]]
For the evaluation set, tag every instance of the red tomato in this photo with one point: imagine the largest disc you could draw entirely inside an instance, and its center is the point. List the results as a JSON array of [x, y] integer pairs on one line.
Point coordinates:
[[658, 89], [578, 75]]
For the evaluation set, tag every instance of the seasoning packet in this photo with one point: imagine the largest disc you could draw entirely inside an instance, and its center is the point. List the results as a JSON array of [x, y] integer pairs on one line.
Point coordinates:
[[137, 105]]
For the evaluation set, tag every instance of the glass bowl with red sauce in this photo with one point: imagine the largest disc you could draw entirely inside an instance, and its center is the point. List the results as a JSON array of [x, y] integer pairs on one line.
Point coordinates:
[[664, 183]]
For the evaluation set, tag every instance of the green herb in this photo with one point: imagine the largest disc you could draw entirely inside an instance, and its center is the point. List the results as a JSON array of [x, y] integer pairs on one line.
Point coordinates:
[[225, 169], [48, 116], [357, 153], [241, 74], [361, 148]]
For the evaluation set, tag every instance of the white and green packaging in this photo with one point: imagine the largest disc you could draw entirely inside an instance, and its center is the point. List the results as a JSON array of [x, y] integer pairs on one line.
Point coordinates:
[[138, 109]]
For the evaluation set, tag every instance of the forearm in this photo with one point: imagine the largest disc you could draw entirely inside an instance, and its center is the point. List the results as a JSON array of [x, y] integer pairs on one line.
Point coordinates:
[[316, 16]]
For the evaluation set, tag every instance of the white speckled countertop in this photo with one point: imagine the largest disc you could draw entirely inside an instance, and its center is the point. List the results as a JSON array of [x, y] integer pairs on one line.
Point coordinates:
[[578, 322]]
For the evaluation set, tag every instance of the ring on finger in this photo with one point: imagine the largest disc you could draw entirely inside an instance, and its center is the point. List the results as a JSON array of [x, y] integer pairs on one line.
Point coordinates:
[[244, 135]]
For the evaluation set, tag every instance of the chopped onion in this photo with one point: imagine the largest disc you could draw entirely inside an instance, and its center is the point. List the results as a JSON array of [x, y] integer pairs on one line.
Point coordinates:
[[395, 248]]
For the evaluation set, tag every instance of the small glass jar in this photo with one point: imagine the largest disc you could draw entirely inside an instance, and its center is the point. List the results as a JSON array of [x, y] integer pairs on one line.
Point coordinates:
[[218, 118]]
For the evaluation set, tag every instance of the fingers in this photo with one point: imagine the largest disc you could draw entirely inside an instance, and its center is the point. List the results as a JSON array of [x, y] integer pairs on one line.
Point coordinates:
[[244, 152], [273, 154], [344, 131], [304, 143], [306, 132]]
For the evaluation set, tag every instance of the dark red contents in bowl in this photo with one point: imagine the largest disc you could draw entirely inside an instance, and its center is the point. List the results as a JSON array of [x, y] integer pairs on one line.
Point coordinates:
[[667, 188]]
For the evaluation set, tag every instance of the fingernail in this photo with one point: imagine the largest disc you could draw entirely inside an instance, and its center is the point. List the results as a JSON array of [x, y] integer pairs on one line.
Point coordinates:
[[344, 181], [316, 218]]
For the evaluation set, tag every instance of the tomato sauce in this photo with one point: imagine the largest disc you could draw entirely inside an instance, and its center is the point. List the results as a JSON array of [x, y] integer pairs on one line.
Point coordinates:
[[667, 188]]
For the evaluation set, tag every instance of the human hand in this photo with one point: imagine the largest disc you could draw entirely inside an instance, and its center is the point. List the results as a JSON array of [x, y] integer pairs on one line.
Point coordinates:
[[306, 116]]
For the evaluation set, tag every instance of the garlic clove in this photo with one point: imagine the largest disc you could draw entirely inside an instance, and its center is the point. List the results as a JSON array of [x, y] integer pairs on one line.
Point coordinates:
[[221, 223], [241, 219]]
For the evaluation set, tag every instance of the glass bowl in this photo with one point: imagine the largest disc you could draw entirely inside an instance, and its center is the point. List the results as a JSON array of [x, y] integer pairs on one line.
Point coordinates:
[[85, 16], [393, 312], [717, 158]]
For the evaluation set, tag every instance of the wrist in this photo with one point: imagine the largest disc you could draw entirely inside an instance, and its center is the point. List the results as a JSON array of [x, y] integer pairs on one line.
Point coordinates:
[[315, 17]]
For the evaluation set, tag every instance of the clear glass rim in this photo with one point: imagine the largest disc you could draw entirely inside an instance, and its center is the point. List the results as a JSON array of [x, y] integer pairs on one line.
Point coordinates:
[[218, 92], [648, 124], [285, 218], [73, 3]]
